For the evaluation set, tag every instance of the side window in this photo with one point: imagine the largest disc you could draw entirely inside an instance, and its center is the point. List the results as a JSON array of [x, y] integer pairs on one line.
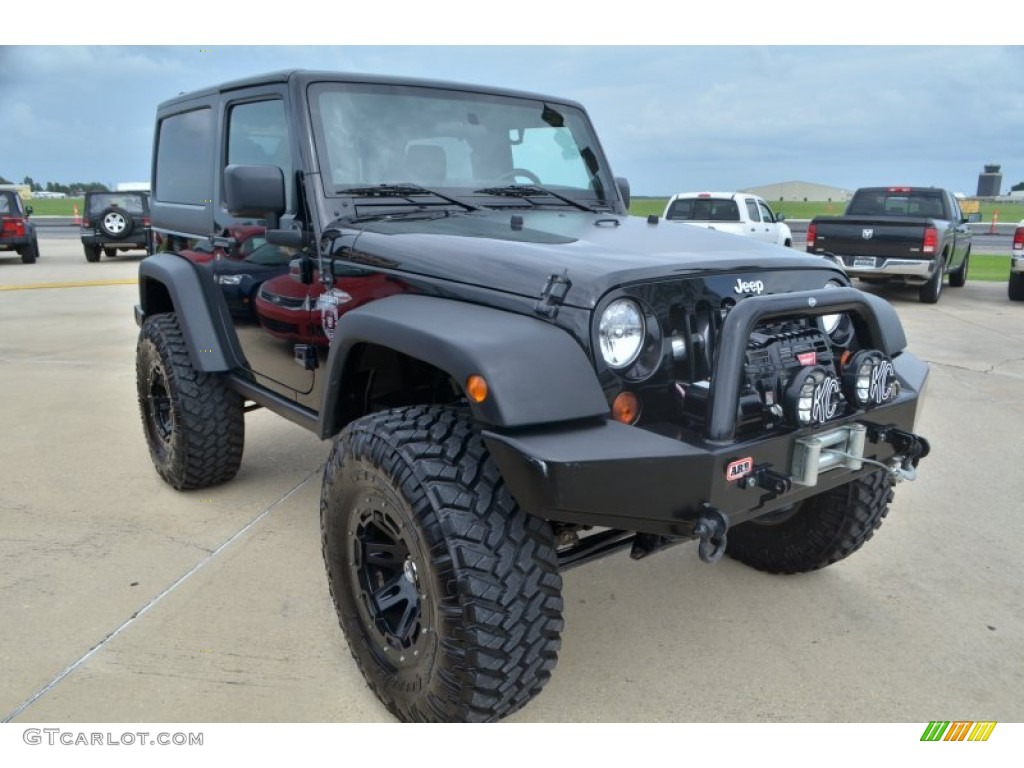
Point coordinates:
[[958, 215], [766, 212], [752, 209], [184, 156], [258, 135]]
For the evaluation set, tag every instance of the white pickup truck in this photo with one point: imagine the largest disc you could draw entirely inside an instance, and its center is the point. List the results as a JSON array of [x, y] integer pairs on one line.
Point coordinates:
[[737, 213]]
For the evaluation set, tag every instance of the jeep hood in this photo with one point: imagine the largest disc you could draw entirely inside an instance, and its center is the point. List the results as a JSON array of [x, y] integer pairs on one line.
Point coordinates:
[[516, 253]]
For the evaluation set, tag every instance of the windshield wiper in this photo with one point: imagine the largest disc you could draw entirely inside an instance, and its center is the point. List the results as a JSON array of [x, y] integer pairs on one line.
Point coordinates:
[[403, 190], [530, 190]]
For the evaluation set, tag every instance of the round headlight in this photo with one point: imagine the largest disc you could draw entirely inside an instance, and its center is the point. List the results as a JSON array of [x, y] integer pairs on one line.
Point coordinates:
[[621, 333], [830, 322]]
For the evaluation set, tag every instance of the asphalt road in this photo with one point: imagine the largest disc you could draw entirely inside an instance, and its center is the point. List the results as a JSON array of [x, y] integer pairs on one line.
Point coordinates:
[[125, 601]]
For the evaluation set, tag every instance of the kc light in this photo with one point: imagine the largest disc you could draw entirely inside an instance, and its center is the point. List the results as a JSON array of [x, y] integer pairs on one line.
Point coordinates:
[[621, 333], [812, 397], [869, 379]]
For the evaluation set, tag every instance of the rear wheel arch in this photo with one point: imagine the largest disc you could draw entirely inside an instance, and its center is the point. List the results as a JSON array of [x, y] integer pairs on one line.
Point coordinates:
[[171, 284]]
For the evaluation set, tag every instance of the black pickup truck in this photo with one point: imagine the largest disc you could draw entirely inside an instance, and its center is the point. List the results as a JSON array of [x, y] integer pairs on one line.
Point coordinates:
[[910, 235]]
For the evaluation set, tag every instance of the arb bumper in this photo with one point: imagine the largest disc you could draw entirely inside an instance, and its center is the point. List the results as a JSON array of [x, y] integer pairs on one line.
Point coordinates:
[[612, 475]]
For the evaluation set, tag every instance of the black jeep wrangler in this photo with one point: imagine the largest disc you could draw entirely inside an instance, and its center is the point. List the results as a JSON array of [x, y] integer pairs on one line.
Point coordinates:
[[17, 233], [517, 376], [115, 221]]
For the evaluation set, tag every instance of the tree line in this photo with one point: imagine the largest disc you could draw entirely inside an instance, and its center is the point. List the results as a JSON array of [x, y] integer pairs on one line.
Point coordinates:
[[74, 189]]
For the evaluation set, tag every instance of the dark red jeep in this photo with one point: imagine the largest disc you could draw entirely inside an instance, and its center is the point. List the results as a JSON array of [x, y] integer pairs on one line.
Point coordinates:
[[17, 233]]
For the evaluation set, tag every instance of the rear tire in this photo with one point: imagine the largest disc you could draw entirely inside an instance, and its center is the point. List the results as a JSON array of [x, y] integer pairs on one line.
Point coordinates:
[[92, 253], [958, 278], [194, 424], [449, 595], [818, 531], [30, 253], [930, 292], [1015, 289]]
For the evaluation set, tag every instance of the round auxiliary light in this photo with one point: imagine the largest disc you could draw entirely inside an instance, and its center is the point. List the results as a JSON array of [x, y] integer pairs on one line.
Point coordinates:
[[621, 333], [812, 396], [830, 322], [869, 379]]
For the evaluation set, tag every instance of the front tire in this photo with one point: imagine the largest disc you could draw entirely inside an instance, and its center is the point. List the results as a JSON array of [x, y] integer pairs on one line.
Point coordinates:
[[818, 531], [449, 595], [110, 252], [194, 424]]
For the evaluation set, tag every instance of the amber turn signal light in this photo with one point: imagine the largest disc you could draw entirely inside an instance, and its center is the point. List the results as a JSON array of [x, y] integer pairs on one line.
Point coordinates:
[[626, 408], [476, 388]]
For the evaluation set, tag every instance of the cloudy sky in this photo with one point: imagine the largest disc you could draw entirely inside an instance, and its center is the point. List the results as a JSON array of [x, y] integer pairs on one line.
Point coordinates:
[[671, 117]]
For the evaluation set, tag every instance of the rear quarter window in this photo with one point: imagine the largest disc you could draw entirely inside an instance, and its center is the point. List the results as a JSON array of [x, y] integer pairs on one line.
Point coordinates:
[[185, 157]]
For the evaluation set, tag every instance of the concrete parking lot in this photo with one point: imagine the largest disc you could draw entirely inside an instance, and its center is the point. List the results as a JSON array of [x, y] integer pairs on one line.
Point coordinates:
[[122, 600]]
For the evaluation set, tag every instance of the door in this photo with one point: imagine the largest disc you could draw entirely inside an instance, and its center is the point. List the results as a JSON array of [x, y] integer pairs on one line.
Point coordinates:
[[268, 302]]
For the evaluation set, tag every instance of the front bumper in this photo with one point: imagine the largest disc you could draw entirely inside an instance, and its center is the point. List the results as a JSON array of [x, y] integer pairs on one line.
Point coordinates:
[[617, 476], [611, 475]]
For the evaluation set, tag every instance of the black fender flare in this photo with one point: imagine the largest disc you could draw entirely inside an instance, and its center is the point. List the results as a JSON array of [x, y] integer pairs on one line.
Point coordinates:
[[536, 372], [200, 308]]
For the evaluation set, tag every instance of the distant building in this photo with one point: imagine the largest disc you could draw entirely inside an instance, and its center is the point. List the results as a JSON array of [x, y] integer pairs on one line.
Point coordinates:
[[798, 191], [49, 195], [24, 190], [132, 186], [990, 182]]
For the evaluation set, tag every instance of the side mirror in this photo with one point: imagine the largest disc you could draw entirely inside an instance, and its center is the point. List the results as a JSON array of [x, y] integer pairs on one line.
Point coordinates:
[[255, 191], [780, 217], [623, 186], [974, 217], [28, 210]]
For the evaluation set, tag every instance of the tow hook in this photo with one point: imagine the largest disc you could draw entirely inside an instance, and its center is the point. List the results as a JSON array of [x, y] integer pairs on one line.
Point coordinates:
[[711, 528], [910, 449]]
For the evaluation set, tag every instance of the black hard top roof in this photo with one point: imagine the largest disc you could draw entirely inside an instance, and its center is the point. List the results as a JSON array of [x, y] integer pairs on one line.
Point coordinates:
[[303, 77]]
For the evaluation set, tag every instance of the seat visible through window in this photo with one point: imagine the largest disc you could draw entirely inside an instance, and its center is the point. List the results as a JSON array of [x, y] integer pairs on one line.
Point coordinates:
[[426, 164]]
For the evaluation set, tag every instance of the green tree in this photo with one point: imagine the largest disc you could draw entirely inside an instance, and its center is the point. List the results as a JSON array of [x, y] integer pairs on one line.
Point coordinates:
[[1018, 187]]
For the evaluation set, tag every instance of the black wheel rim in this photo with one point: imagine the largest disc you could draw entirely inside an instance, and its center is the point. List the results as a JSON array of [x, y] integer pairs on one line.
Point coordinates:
[[159, 412], [386, 580]]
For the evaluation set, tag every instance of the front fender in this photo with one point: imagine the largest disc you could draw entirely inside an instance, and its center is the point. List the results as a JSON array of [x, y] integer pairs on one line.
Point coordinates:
[[536, 372]]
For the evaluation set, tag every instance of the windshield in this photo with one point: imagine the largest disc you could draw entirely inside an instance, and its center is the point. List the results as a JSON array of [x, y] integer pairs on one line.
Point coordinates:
[[371, 134]]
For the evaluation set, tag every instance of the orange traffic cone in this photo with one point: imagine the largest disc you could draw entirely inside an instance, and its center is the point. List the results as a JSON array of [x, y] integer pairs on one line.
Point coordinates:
[[78, 219]]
